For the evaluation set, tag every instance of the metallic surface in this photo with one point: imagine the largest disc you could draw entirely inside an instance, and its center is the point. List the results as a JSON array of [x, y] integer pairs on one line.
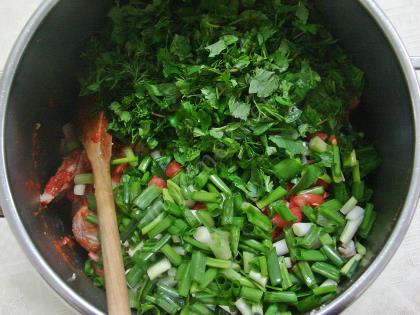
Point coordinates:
[[39, 86]]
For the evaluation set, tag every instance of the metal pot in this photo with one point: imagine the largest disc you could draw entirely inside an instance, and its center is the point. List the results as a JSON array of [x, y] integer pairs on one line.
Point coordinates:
[[39, 87]]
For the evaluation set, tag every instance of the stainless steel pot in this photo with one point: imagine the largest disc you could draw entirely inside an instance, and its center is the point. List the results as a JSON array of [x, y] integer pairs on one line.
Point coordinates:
[[39, 87]]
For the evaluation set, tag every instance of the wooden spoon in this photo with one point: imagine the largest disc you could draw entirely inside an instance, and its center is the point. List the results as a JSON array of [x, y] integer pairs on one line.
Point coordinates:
[[98, 146]]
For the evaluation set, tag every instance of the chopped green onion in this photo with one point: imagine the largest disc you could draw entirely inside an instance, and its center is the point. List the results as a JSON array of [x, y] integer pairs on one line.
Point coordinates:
[[318, 145], [287, 169], [219, 183], [336, 169], [251, 294], [326, 270], [147, 196], [208, 278], [310, 255], [83, 179], [317, 190], [332, 255], [124, 160], [286, 280], [173, 257], [198, 266], [349, 205], [128, 151], [274, 272], [205, 196], [92, 219], [307, 275], [184, 279], [329, 209], [283, 211], [350, 267], [145, 163], [276, 194], [280, 297], [368, 221], [243, 307], [219, 263], [259, 278]]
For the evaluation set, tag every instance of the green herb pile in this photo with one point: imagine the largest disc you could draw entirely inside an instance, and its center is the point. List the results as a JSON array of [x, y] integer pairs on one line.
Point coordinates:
[[252, 98]]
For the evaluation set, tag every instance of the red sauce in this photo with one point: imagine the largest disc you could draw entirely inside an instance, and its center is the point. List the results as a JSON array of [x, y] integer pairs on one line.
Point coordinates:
[[58, 246]]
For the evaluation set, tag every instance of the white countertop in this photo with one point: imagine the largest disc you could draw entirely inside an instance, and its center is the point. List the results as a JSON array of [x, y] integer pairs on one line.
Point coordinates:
[[396, 291]]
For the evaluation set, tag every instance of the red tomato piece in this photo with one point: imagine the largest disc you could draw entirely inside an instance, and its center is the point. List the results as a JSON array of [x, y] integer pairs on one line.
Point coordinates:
[[99, 271], [278, 220], [199, 206], [173, 168], [307, 199], [297, 213], [276, 233], [321, 134], [281, 223], [156, 180], [117, 172], [322, 183]]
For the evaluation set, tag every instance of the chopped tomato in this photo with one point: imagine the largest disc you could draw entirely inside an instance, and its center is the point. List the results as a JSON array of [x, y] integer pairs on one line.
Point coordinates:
[[117, 172], [281, 223], [276, 233], [173, 168], [307, 199], [321, 134], [326, 195], [70, 194], [278, 220], [322, 183], [297, 213], [199, 206], [98, 270], [159, 182]]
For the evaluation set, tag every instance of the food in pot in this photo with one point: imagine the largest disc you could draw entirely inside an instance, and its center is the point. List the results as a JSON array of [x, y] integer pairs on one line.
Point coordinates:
[[239, 180]]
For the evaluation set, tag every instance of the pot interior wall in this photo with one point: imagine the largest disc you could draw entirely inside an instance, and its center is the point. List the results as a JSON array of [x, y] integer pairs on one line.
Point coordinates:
[[45, 89]]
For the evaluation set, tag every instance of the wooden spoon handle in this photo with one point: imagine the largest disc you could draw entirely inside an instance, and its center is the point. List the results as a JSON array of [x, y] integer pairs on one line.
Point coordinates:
[[115, 282]]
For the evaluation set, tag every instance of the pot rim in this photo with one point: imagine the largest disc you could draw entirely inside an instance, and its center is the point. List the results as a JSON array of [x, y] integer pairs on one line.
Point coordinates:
[[335, 306]]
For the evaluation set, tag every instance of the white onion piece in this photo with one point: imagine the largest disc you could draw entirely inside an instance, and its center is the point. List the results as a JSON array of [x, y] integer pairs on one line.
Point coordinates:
[[347, 250], [159, 268], [79, 190], [168, 281], [281, 247], [355, 213], [202, 234], [257, 309], [300, 229], [350, 230], [257, 277], [288, 262], [243, 307], [328, 282], [131, 252], [227, 309], [349, 205], [179, 250], [155, 154]]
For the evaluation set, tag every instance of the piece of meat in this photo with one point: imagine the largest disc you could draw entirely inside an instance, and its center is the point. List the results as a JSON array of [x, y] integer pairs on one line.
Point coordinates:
[[74, 163], [85, 233]]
